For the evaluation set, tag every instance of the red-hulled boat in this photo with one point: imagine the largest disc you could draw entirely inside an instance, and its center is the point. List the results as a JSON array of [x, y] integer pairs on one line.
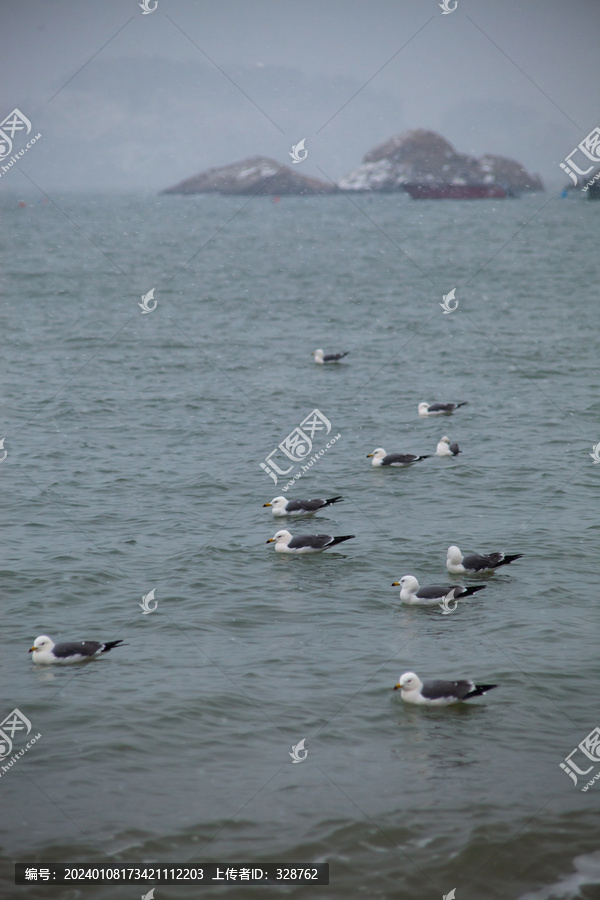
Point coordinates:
[[423, 191]]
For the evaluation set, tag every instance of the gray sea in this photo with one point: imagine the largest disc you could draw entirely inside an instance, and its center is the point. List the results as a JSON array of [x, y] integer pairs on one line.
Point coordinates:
[[134, 445]]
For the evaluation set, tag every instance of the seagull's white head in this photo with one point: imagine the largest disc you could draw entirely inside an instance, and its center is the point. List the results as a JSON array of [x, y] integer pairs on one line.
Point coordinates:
[[277, 503], [454, 556], [445, 440], [407, 583], [43, 642], [280, 537], [318, 355], [377, 454], [423, 408], [409, 682]]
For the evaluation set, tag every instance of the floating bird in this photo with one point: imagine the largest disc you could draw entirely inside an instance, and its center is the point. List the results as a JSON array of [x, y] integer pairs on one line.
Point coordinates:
[[457, 564], [305, 543], [281, 506], [438, 693], [445, 448], [439, 409], [46, 652], [323, 358], [381, 458], [414, 594]]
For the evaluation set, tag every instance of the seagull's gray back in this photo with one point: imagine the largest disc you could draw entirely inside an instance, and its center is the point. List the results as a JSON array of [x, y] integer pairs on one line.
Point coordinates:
[[436, 690], [402, 459], [305, 505], [315, 541], [478, 562], [74, 648], [441, 407], [436, 591]]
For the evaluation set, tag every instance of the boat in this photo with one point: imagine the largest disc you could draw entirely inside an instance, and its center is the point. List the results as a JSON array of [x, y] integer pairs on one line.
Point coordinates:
[[441, 191]]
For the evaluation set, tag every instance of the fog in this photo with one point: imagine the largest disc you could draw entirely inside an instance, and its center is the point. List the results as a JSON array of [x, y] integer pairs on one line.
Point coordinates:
[[125, 100]]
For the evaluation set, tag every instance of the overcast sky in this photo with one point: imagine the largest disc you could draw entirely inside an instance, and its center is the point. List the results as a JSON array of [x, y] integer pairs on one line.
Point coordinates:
[[131, 101]]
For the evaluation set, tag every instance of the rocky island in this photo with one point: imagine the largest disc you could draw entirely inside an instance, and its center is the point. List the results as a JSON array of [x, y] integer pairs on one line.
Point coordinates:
[[421, 162], [257, 175], [423, 158]]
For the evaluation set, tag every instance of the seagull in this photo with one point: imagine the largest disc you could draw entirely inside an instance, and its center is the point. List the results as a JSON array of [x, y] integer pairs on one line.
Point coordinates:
[[283, 507], [431, 594], [438, 693], [439, 409], [46, 652], [322, 358], [457, 564], [305, 543], [445, 448], [381, 458]]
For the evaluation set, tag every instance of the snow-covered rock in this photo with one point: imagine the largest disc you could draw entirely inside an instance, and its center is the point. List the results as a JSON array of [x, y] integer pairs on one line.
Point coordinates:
[[425, 157], [257, 175]]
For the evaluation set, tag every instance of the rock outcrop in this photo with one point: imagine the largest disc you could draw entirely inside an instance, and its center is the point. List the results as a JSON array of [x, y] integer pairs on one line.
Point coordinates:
[[425, 157], [257, 175]]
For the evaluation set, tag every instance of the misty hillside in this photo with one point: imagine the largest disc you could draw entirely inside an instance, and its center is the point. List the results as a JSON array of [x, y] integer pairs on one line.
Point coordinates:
[[146, 122]]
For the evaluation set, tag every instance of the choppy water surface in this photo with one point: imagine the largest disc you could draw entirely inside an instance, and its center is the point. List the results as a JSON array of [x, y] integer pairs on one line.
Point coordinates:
[[134, 447]]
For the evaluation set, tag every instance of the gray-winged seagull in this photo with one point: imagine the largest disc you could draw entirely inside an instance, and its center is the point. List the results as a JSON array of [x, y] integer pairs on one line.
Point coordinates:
[[322, 358], [438, 693], [281, 506], [305, 543], [46, 652], [381, 458], [457, 564], [414, 594], [445, 448], [439, 409]]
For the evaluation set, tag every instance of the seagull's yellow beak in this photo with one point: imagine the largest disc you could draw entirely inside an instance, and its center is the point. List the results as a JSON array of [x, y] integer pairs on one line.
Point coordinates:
[[271, 541], [395, 584], [266, 504], [370, 454], [31, 649], [397, 687]]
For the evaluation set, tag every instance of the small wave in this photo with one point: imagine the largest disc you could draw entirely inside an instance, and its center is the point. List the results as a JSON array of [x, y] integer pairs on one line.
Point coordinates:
[[587, 873]]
